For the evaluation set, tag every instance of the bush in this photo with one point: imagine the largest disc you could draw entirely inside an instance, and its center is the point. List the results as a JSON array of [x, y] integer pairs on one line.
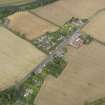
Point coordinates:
[[86, 38], [6, 11], [56, 66]]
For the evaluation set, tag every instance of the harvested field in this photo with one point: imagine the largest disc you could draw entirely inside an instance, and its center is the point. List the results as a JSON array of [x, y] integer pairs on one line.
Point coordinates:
[[96, 27], [17, 58], [82, 80], [30, 25], [14, 2], [63, 10]]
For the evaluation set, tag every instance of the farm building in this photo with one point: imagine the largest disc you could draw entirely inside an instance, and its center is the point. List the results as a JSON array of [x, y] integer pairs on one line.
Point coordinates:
[[75, 40]]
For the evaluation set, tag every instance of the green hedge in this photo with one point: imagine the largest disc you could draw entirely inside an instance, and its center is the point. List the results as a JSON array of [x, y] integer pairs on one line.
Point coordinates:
[[15, 95], [56, 66], [8, 10]]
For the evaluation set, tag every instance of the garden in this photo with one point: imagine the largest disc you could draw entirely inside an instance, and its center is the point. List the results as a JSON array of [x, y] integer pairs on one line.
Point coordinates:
[[26, 92], [49, 41], [100, 101]]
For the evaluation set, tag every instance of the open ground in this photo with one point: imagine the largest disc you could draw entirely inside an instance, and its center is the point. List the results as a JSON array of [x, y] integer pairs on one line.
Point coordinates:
[[17, 58], [96, 27], [61, 11], [29, 25], [81, 81]]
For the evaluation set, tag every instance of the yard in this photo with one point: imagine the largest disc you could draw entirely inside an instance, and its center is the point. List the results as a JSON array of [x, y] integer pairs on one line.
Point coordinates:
[[18, 58], [81, 81]]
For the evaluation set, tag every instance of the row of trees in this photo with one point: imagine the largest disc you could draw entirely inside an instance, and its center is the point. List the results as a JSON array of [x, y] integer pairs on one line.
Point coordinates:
[[8, 10], [25, 93]]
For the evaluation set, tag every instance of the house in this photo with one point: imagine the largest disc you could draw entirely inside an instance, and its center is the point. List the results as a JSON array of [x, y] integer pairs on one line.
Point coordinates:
[[75, 40], [77, 43]]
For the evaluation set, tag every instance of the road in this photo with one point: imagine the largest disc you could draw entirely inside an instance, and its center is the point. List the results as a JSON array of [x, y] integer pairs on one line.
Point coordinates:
[[40, 67]]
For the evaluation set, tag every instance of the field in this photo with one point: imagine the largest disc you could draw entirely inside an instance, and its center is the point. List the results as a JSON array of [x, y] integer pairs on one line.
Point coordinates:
[[96, 27], [63, 10], [17, 58], [14, 2], [82, 80], [30, 25]]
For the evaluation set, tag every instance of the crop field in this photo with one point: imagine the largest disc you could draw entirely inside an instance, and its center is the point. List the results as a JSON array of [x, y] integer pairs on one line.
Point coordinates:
[[82, 80], [14, 2], [17, 58], [61, 11], [29, 25], [96, 27]]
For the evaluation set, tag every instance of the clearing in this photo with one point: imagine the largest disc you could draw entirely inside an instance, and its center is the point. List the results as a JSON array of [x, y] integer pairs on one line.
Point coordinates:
[[62, 10], [17, 58], [29, 25], [82, 80]]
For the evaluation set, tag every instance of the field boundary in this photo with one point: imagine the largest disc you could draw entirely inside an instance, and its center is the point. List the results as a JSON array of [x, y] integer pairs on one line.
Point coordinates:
[[100, 42], [47, 20], [96, 13]]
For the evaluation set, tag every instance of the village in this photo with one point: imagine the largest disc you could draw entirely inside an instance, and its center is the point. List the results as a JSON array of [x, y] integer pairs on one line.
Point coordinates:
[[52, 52]]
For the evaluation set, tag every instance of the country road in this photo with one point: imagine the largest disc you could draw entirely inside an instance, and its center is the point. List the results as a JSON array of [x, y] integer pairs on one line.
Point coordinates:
[[40, 67]]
